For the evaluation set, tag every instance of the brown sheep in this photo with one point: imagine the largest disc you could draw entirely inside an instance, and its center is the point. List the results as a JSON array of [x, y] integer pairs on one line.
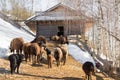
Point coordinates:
[[39, 39], [58, 55], [65, 53], [26, 50], [49, 57], [36, 50], [54, 38], [89, 69], [63, 40], [50, 60], [16, 44]]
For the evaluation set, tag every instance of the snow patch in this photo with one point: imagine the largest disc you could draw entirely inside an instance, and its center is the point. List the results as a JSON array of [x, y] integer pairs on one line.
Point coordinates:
[[79, 55], [7, 33]]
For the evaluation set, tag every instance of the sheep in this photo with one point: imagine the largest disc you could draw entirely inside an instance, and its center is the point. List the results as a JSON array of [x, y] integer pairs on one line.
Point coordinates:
[[54, 38], [26, 50], [39, 39], [36, 50], [49, 57], [89, 69], [16, 44], [58, 55], [65, 53], [63, 40], [15, 61]]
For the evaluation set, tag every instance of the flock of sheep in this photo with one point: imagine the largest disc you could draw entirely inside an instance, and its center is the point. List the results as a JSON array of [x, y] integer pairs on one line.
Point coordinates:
[[34, 50]]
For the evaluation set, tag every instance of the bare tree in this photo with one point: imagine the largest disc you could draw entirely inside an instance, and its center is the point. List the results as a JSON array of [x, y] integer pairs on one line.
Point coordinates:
[[106, 30], [3, 6], [19, 10]]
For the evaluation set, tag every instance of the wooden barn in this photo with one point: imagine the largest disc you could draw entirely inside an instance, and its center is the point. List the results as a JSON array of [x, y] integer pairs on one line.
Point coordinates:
[[59, 20]]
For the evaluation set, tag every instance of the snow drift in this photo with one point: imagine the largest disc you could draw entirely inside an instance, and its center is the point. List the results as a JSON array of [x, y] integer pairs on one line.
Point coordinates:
[[79, 55], [7, 33]]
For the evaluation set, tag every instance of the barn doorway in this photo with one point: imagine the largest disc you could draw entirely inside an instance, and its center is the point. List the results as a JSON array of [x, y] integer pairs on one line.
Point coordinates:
[[60, 30]]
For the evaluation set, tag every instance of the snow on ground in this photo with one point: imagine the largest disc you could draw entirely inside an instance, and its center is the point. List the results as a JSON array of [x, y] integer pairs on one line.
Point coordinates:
[[7, 33], [79, 55]]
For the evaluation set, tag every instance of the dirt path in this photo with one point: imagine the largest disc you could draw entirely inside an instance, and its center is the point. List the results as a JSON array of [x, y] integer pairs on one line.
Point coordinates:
[[71, 71]]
